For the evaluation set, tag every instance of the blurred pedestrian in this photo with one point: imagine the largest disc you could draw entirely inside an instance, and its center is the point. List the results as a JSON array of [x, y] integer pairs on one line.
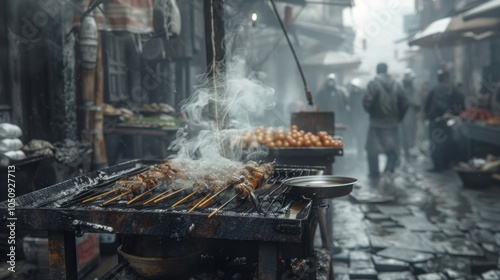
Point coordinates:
[[443, 102], [386, 104], [408, 127], [421, 126], [333, 98], [358, 119]]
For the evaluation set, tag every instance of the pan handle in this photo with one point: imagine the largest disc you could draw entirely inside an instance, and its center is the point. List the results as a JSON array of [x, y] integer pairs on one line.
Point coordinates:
[[79, 225]]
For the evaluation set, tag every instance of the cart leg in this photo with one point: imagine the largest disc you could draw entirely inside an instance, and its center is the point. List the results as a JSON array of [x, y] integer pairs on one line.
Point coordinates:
[[62, 255], [326, 235], [323, 229], [268, 261]]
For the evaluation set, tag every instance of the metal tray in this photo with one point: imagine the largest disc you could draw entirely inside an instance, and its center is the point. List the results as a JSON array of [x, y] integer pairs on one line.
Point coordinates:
[[307, 151], [325, 186]]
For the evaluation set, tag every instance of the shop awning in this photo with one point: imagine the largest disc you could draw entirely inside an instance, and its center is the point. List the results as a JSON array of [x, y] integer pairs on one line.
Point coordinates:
[[319, 30], [134, 16], [334, 60], [490, 9], [451, 29]]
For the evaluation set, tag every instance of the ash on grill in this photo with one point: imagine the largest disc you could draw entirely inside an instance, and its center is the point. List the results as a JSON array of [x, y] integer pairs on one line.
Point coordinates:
[[195, 186]]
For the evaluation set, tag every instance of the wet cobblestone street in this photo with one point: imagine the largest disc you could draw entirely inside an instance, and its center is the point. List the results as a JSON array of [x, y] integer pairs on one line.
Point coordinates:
[[415, 225]]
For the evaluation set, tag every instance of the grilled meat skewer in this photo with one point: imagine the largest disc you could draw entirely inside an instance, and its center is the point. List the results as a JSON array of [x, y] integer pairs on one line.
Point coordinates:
[[141, 183]]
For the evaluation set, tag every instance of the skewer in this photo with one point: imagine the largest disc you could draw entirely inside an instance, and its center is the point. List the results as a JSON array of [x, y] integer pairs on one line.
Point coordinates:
[[222, 206], [98, 196], [141, 195], [169, 195], [213, 196], [199, 202], [117, 197], [156, 197], [184, 199]]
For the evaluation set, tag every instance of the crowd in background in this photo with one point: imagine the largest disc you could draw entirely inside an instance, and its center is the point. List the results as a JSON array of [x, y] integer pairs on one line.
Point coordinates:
[[395, 118]]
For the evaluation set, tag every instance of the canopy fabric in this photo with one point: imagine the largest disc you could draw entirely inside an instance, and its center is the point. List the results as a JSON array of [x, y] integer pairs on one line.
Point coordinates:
[[135, 16], [451, 29], [488, 9], [334, 60], [318, 30]]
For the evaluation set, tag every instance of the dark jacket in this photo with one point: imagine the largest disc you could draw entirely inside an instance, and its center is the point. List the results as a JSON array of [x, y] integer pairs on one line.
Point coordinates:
[[385, 101], [441, 100], [333, 100]]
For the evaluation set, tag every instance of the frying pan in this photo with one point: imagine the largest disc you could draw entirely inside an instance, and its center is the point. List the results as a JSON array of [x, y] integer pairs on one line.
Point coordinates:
[[320, 187]]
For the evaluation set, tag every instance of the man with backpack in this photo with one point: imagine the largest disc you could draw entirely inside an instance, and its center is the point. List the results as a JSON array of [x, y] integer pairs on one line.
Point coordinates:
[[386, 103]]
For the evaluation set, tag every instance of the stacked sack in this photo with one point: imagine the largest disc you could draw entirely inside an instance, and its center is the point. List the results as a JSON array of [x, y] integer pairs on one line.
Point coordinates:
[[10, 145]]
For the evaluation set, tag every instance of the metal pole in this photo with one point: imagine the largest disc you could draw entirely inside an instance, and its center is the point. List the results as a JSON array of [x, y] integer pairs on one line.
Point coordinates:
[[214, 33], [215, 51], [100, 158]]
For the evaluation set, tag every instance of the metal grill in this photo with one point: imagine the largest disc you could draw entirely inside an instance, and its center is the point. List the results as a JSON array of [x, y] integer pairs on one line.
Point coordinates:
[[276, 221], [270, 197]]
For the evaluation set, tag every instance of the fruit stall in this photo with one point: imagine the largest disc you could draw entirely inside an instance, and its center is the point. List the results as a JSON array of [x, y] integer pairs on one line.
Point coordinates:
[[482, 131], [294, 146]]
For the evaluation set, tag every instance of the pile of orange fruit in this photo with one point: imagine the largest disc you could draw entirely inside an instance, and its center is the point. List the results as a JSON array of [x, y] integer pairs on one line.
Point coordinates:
[[293, 138]]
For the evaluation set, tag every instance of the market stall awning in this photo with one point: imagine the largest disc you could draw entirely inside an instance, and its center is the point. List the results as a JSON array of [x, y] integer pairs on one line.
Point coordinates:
[[450, 29], [134, 16], [319, 30], [334, 60], [490, 9]]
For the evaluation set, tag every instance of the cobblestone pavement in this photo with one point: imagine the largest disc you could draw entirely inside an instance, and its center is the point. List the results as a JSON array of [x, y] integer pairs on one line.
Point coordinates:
[[415, 225]]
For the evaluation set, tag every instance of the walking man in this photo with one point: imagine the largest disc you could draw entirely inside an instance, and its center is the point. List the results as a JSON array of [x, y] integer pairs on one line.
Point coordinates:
[[408, 128], [442, 103], [386, 103]]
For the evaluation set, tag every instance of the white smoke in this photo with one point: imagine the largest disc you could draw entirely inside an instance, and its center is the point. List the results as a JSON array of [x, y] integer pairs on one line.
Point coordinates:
[[243, 100]]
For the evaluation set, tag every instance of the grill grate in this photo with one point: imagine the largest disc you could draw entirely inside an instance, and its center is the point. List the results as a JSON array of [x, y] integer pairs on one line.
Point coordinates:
[[270, 197], [57, 207], [276, 221]]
